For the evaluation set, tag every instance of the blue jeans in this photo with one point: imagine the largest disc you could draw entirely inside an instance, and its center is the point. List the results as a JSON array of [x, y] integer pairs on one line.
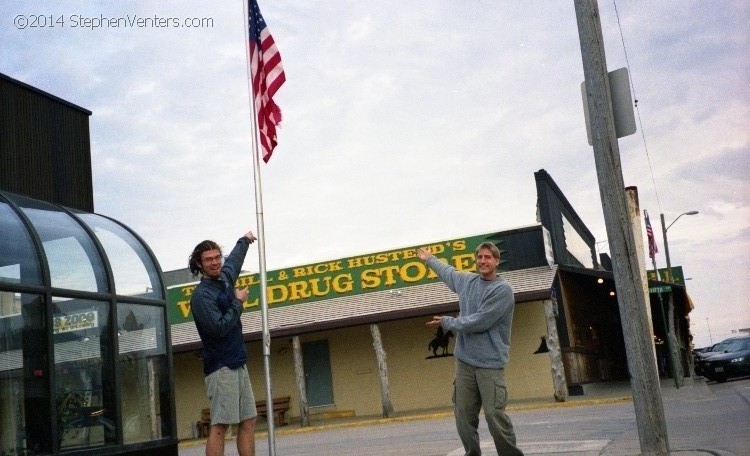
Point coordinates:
[[475, 388]]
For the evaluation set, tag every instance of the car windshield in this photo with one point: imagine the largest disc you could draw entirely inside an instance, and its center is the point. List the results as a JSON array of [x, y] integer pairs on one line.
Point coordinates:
[[721, 346], [737, 345]]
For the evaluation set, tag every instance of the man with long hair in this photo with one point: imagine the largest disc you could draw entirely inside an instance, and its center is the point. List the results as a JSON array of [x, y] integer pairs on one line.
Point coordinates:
[[217, 307]]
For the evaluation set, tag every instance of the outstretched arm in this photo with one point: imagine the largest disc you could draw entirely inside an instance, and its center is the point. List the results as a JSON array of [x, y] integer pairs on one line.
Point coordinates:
[[424, 253], [233, 262], [435, 322], [450, 276]]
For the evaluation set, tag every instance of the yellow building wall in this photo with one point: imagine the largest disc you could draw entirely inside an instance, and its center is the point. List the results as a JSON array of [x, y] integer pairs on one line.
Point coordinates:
[[416, 383], [528, 375], [189, 392]]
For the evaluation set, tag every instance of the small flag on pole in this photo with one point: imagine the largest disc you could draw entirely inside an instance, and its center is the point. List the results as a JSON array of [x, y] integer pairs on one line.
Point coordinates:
[[267, 76], [652, 248]]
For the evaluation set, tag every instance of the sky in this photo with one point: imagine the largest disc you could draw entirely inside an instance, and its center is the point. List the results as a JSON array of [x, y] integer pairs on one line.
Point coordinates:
[[403, 125]]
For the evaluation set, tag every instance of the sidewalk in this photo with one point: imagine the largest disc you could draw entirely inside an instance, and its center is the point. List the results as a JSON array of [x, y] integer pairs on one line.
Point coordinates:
[[594, 394]]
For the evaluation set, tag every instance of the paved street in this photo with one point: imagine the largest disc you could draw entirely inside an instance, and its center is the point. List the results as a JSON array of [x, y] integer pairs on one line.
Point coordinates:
[[702, 419]]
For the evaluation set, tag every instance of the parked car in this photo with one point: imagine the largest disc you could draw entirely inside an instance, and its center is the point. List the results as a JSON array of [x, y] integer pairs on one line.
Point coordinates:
[[703, 353], [733, 361]]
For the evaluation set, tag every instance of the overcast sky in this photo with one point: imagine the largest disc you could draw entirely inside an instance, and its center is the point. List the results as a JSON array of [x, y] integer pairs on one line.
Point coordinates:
[[411, 122]]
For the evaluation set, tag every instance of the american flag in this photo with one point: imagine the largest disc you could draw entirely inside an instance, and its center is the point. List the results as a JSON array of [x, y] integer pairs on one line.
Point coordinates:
[[267, 76], [652, 248]]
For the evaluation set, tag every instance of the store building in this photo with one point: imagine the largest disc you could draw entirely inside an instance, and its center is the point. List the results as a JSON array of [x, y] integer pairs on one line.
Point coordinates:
[[85, 348], [349, 335]]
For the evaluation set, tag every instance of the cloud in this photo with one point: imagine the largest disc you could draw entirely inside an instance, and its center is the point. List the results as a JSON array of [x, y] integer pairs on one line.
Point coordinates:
[[404, 124]]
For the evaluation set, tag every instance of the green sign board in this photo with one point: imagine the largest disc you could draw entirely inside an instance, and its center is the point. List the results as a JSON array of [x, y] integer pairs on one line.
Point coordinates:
[[662, 289], [345, 277], [679, 278]]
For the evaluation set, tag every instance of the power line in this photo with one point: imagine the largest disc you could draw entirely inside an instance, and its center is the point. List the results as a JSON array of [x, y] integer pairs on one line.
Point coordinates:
[[638, 111]]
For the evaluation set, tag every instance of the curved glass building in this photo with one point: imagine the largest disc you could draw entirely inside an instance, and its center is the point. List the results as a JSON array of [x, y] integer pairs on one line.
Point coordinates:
[[85, 351]]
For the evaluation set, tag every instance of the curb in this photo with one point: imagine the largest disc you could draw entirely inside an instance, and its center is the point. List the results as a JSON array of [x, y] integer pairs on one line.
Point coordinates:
[[420, 417]]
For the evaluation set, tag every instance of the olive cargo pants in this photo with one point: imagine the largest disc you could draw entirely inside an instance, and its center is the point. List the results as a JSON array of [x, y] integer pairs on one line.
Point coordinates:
[[475, 388]]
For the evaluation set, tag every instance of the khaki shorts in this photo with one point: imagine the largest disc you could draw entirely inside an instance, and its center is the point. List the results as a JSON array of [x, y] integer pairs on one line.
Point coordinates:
[[231, 396]]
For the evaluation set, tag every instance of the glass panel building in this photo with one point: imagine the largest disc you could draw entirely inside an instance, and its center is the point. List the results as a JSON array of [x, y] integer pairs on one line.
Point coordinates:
[[85, 359]]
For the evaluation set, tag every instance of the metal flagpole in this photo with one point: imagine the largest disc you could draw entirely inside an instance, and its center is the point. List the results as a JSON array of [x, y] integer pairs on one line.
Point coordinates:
[[264, 298], [261, 246]]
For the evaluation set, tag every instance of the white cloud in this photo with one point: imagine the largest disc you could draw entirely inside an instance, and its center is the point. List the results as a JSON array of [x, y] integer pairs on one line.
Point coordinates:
[[405, 124]]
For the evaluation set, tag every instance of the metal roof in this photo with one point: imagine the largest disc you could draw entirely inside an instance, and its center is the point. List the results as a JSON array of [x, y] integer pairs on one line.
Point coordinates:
[[528, 285]]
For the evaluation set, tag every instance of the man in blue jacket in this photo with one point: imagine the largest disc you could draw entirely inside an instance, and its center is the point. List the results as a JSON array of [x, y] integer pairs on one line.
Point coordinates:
[[216, 308], [486, 302]]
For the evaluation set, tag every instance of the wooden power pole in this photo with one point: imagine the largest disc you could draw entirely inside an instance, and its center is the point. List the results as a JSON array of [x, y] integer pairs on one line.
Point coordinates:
[[644, 378]]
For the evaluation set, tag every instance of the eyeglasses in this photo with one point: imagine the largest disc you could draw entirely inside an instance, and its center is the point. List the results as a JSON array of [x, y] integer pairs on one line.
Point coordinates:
[[211, 259]]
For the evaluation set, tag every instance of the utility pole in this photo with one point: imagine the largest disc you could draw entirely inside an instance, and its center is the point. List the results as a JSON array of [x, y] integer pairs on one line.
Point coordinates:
[[647, 400]]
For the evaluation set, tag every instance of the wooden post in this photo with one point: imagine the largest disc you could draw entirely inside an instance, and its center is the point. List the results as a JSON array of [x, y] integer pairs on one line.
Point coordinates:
[[647, 400], [155, 428], [674, 347], [555, 355], [634, 212], [385, 392], [299, 371]]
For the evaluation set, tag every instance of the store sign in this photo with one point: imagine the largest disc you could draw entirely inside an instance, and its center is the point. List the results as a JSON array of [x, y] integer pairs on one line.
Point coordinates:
[[661, 289], [75, 322], [345, 277], [677, 276]]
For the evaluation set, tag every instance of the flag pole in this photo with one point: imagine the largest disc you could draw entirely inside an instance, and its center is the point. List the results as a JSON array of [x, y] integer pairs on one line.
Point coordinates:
[[261, 245], [263, 294]]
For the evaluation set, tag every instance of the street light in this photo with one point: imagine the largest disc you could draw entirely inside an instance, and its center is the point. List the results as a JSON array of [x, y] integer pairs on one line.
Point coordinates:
[[670, 334], [666, 245]]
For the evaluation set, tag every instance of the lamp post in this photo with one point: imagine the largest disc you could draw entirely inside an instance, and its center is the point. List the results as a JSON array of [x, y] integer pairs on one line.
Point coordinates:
[[710, 339], [669, 334], [664, 229]]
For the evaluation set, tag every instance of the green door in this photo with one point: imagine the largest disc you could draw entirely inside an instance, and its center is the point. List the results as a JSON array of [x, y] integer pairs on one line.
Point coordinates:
[[317, 373]]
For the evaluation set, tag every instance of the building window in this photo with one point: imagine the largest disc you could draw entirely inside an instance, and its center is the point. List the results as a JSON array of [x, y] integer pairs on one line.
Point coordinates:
[[74, 262], [84, 378], [19, 260], [144, 372], [134, 271], [24, 394]]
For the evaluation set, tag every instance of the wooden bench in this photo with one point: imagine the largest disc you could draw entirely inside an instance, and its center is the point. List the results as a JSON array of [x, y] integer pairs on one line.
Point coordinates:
[[280, 407], [204, 424]]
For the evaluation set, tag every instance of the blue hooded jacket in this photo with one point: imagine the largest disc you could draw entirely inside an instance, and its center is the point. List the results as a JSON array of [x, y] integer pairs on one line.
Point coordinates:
[[217, 311]]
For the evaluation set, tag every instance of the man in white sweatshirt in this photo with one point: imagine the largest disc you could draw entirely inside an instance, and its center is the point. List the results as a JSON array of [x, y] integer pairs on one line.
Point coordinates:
[[483, 326]]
